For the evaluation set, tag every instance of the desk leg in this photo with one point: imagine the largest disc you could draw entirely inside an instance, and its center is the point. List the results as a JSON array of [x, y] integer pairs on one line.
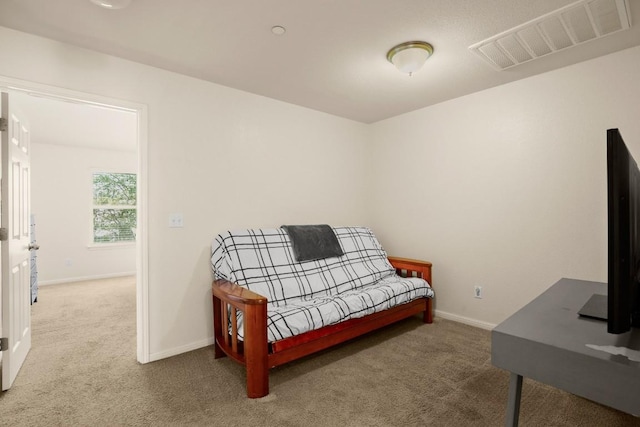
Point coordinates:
[[513, 402]]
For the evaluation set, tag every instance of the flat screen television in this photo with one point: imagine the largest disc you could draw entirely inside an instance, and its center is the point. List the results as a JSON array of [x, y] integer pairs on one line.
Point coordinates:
[[623, 195], [621, 307]]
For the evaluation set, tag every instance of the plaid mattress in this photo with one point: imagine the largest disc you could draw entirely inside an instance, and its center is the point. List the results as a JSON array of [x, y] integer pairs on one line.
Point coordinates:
[[304, 296]]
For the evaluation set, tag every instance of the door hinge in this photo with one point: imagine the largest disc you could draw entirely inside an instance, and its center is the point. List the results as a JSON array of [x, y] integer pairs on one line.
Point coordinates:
[[3, 124], [4, 234], [4, 344]]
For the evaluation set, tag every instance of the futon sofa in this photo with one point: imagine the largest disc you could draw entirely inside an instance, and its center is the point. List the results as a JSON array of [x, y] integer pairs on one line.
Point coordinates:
[[274, 303]]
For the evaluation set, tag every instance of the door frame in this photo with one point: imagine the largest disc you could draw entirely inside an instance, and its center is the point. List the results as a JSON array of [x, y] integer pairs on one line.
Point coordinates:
[[142, 242]]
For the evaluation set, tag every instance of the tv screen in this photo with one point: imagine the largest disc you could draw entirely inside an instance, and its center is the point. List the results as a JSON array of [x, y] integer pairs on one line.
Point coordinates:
[[621, 307], [623, 197]]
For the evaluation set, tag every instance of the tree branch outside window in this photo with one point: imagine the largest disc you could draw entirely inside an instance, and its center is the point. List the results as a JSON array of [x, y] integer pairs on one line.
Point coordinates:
[[114, 207]]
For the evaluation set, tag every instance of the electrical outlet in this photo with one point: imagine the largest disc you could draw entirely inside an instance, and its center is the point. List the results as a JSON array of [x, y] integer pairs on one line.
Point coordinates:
[[176, 220], [477, 291]]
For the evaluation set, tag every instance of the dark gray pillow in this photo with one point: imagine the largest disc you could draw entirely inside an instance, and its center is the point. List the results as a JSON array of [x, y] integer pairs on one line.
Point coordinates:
[[312, 242]]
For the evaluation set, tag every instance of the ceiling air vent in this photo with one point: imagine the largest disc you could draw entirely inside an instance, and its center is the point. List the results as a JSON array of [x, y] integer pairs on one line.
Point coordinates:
[[569, 26]]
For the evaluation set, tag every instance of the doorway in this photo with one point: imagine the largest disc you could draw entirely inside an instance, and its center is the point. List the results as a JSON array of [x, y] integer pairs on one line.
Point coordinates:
[[81, 103]]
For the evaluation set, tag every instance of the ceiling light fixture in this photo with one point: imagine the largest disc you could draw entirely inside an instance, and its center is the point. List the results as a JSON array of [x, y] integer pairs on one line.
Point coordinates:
[[112, 4], [409, 57]]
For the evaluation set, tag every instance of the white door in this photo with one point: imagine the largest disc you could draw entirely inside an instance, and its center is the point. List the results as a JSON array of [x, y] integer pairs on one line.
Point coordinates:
[[15, 271]]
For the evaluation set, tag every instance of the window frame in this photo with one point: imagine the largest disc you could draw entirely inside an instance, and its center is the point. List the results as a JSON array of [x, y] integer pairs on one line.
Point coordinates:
[[93, 206]]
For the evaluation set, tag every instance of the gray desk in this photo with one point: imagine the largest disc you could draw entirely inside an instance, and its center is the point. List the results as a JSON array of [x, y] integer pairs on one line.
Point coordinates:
[[548, 342]]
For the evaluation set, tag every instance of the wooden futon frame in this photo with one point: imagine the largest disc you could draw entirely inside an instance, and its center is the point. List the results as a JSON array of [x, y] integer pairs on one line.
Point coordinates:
[[259, 356]]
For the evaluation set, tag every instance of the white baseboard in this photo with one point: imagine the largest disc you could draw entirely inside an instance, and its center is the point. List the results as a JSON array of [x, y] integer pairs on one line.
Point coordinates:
[[465, 320], [85, 278], [209, 341], [179, 350]]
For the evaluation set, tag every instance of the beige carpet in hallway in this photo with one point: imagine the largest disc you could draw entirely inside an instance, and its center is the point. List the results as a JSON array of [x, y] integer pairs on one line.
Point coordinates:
[[82, 371]]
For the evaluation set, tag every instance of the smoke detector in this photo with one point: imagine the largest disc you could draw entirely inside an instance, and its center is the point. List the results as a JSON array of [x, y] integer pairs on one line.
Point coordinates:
[[112, 4]]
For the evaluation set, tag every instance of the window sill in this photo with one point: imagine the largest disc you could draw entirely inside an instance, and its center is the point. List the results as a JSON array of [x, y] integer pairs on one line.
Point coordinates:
[[119, 245]]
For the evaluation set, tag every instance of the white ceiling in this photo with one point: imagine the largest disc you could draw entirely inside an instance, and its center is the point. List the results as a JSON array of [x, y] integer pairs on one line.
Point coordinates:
[[332, 57]]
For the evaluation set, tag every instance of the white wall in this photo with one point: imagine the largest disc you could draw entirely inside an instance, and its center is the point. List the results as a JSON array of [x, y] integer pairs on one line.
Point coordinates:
[[221, 157], [506, 188], [61, 199], [503, 188]]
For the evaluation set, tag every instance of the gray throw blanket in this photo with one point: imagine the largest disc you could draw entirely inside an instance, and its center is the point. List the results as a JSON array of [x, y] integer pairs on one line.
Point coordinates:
[[311, 242]]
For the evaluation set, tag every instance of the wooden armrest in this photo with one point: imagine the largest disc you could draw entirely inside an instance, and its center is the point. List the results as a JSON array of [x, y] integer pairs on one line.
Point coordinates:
[[230, 292], [408, 261], [422, 268], [253, 350]]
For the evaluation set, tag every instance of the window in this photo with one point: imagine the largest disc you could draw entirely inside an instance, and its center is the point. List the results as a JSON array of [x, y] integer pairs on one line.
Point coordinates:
[[114, 207]]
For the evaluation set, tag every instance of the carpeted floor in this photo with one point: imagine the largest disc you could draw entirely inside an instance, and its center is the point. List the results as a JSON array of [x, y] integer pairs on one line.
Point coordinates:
[[82, 371]]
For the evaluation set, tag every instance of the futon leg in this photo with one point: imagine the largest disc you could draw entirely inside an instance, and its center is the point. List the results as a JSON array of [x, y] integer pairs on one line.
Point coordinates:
[[217, 327], [257, 381], [256, 351], [217, 351], [428, 313]]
